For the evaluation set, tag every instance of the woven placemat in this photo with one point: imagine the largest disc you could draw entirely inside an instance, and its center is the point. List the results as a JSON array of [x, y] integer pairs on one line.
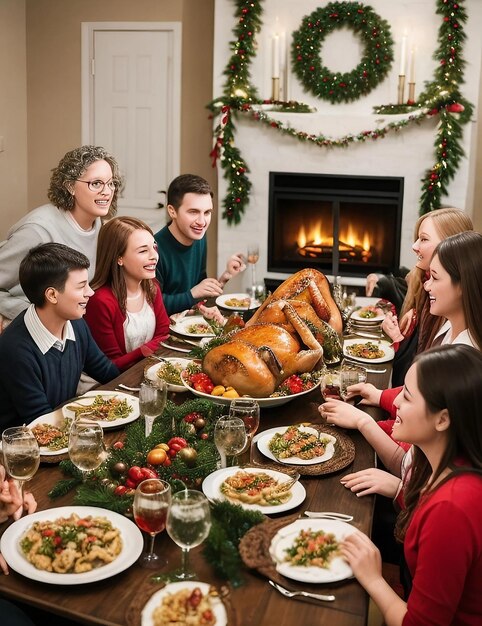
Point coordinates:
[[148, 588], [344, 455]]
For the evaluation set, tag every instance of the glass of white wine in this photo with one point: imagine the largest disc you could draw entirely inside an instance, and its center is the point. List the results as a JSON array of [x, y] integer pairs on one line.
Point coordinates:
[[188, 525], [21, 454], [230, 438], [152, 401], [253, 258], [86, 445]]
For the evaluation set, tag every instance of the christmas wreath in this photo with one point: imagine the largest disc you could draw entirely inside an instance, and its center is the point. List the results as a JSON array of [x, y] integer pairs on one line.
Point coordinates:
[[374, 64]]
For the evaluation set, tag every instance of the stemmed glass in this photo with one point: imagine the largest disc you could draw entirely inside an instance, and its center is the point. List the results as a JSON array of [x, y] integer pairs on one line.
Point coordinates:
[[188, 525], [246, 409], [21, 454], [335, 382], [152, 400], [252, 258], [152, 500], [86, 445], [230, 437]]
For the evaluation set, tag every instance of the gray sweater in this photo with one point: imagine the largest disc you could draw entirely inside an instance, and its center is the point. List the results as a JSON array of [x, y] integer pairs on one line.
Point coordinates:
[[45, 224]]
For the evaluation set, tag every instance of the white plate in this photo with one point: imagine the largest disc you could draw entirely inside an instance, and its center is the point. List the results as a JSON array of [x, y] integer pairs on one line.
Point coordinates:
[[267, 435], [367, 320], [131, 400], [366, 301], [151, 372], [212, 489], [132, 545], [54, 419], [384, 345], [181, 327], [338, 568], [156, 600], [263, 402], [221, 301]]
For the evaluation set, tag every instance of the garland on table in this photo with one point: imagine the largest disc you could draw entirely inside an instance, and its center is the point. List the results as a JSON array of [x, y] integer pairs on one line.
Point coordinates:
[[106, 485], [441, 97], [373, 67]]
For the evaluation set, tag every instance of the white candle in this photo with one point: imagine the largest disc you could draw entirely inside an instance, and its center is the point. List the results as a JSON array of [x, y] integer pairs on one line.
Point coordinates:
[[275, 59], [403, 56], [412, 65]]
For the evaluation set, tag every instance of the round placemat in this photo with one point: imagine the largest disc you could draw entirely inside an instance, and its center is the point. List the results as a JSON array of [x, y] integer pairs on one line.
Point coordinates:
[[344, 455]]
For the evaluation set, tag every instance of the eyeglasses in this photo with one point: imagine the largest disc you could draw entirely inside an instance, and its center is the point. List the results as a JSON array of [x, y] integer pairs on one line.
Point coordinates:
[[99, 185]]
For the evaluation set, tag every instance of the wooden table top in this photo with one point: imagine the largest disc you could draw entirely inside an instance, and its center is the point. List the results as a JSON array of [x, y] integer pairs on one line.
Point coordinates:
[[254, 604]]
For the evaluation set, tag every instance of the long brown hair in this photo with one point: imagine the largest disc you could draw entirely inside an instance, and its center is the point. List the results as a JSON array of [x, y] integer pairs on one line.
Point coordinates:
[[112, 244], [448, 377], [447, 222]]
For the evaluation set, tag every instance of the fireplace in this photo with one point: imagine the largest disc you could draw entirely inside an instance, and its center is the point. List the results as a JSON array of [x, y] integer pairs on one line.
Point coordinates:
[[343, 225]]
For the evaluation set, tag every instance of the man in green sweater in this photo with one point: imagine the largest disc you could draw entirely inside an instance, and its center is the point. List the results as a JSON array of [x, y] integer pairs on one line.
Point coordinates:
[[181, 269]]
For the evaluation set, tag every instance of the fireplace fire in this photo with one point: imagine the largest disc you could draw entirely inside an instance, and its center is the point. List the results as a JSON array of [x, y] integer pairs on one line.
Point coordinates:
[[339, 224]]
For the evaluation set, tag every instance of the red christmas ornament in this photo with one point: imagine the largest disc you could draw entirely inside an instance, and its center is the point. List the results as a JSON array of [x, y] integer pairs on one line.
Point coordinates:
[[365, 73], [446, 19], [433, 176], [238, 200], [430, 187], [244, 11], [455, 25], [456, 107], [312, 68]]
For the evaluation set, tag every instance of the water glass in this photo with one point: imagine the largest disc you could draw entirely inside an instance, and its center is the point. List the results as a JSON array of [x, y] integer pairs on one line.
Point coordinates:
[[230, 437], [86, 445], [188, 525], [152, 401]]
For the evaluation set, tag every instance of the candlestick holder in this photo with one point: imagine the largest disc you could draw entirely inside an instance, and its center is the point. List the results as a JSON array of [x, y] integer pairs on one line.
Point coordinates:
[[401, 88], [275, 88], [411, 93]]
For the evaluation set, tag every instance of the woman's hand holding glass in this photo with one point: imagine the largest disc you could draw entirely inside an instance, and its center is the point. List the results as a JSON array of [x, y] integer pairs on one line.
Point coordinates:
[[230, 437], [21, 455], [86, 445], [188, 525], [152, 500]]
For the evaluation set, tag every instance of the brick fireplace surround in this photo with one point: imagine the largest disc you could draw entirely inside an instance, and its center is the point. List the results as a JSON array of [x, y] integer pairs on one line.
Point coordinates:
[[405, 154]]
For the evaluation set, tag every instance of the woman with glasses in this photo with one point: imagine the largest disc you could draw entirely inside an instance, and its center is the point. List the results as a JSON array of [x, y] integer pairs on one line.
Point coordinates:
[[126, 315], [83, 189]]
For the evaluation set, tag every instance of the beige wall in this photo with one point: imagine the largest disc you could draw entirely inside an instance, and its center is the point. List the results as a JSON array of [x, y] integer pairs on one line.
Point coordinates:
[[13, 113], [477, 214]]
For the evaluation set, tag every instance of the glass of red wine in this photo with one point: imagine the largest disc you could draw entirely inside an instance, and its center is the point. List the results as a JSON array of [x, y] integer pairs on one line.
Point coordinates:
[[152, 500]]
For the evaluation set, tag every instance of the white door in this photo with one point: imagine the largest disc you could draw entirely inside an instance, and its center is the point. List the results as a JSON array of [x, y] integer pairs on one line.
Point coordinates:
[[134, 109]]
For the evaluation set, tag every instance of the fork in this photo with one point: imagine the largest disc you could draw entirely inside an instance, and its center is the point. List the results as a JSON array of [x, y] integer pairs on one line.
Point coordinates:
[[304, 594], [342, 517]]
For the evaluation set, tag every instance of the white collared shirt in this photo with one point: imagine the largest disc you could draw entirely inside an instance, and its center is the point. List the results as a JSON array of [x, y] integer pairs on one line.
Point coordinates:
[[42, 337]]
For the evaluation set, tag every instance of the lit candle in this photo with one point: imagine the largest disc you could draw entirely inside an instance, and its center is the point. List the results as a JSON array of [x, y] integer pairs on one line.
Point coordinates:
[[412, 65], [403, 56], [275, 70]]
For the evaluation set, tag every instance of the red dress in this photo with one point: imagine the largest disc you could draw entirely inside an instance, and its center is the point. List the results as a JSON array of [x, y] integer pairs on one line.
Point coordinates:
[[443, 551]]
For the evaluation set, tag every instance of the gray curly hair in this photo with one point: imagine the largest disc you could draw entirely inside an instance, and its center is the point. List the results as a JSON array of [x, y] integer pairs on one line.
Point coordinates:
[[71, 167]]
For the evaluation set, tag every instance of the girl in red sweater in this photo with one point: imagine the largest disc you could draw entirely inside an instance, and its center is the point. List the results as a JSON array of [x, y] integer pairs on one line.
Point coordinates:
[[441, 525], [126, 315]]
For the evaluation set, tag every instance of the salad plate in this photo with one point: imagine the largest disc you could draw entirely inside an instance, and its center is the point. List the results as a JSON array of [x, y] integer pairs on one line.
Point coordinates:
[[356, 347], [193, 326], [211, 487], [153, 372], [156, 599], [56, 419], [237, 302], [263, 446], [336, 569], [368, 315], [132, 545], [87, 399]]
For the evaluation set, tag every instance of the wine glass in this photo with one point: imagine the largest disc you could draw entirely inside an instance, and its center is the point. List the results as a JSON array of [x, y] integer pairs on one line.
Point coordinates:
[[351, 374], [152, 500], [230, 437], [21, 454], [152, 400], [252, 258], [86, 445], [188, 525], [246, 409]]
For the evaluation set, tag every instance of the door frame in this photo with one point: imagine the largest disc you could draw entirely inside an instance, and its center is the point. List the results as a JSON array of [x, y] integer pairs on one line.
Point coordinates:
[[173, 145]]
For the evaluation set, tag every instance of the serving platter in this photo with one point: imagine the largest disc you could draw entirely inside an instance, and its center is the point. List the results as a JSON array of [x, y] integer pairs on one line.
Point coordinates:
[[337, 568], [266, 436], [211, 487], [86, 399], [132, 545]]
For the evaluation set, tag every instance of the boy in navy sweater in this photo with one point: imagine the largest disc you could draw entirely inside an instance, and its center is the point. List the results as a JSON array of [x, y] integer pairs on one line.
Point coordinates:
[[45, 349]]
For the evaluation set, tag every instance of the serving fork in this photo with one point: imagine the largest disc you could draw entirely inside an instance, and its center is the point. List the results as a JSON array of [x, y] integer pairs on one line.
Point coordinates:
[[303, 594], [342, 517]]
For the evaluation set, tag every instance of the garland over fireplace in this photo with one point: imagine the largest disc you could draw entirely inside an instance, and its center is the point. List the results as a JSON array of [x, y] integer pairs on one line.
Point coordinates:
[[343, 225]]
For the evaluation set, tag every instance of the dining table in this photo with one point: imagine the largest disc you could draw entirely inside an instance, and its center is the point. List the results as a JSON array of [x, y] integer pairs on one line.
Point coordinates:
[[117, 601]]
